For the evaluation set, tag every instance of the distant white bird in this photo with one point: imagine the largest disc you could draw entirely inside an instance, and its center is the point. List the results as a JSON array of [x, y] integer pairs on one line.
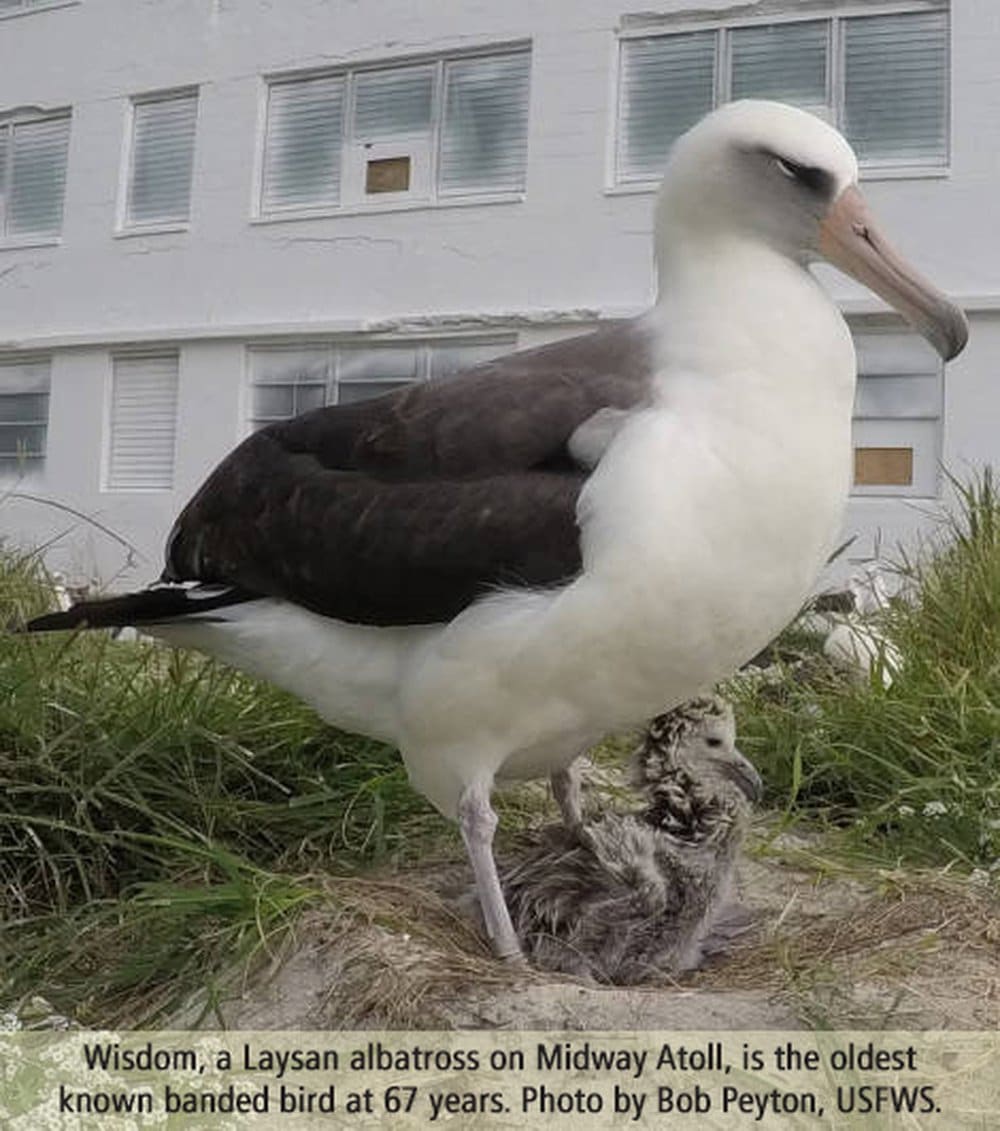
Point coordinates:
[[859, 649], [853, 641], [61, 592], [490, 574], [649, 891]]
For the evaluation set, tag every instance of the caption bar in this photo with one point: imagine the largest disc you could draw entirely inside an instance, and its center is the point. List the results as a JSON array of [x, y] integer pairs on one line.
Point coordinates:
[[502, 1079]]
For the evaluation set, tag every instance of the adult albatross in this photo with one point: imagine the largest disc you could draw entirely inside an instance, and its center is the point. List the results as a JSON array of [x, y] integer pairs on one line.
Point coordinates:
[[492, 571]]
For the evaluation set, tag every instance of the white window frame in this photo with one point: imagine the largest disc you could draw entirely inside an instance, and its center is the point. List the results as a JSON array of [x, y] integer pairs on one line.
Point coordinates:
[[426, 192], [834, 14], [421, 149], [919, 429], [12, 121], [33, 464], [123, 226], [505, 341]]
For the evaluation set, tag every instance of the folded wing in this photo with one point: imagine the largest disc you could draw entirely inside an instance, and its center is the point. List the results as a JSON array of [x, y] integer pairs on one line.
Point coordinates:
[[404, 509]]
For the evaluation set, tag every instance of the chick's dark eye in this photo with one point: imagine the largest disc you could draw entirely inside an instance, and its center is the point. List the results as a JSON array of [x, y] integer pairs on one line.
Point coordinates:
[[713, 741]]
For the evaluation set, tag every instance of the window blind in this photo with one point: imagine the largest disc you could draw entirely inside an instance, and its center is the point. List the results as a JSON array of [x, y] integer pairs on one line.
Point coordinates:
[[896, 87], [484, 135], [302, 152], [36, 176], [163, 133], [787, 62], [393, 102], [889, 95], [143, 422], [667, 84], [472, 111]]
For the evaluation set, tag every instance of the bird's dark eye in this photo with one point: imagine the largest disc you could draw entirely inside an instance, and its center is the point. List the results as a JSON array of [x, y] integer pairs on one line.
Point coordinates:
[[809, 175], [713, 741]]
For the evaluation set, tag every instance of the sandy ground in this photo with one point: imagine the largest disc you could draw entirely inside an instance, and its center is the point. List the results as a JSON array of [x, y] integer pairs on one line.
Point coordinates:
[[890, 950]]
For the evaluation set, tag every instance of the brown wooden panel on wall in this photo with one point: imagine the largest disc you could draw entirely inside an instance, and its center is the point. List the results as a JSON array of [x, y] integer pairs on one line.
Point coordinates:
[[387, 174], [883, 467]]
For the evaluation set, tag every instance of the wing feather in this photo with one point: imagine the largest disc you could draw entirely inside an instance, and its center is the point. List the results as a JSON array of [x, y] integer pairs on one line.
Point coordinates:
[[404, 509]]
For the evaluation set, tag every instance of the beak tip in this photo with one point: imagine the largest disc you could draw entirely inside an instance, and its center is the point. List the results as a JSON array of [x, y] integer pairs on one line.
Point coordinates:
[[955, 337], [850, 239], [749, 780]]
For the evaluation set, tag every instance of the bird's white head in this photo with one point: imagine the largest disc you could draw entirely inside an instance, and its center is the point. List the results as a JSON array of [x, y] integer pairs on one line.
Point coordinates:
[[776, 175]]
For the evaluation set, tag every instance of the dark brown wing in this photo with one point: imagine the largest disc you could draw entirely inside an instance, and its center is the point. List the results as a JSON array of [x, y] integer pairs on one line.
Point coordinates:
[[404, 509]]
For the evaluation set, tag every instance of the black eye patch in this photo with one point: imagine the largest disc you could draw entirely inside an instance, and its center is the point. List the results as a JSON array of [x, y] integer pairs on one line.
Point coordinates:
[[812, 177]]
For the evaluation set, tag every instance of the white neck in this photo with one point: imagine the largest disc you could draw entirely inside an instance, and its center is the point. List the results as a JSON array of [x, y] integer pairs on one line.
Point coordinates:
[[748, 445], [774, 312]]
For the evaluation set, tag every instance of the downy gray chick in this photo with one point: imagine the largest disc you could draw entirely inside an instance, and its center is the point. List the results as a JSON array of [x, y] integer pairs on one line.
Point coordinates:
[[632, 895]]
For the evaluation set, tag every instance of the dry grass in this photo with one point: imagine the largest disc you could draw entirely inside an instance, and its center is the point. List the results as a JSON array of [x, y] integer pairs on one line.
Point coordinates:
[[913, 913], [836, 948], [384, 952]]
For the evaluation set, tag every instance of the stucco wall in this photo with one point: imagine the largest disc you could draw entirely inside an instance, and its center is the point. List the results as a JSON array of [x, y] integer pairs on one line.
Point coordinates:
[[569, 245]]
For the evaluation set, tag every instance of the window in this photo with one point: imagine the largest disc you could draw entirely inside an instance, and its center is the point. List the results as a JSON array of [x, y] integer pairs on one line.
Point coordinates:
[[897, 415], [426, 132], [896, 88], [303, 144], [289, 380], [161, 158], [24, 414], [667, 84], [32, 176], [881, 79], [143, 422], [787, 62]]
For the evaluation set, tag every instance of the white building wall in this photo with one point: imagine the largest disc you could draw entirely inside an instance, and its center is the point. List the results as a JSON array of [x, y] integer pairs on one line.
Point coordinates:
[[564, 246], [569, 252]]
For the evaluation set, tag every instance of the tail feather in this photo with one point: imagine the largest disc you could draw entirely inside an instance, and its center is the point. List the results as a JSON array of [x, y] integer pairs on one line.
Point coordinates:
[[149, 606]]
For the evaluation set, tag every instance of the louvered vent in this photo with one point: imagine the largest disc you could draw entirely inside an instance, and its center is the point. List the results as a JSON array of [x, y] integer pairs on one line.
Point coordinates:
[[143, 423]]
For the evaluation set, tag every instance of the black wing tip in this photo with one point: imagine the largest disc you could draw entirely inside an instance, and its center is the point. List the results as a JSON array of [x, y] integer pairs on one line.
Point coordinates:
[[148, 606], [53, 622]]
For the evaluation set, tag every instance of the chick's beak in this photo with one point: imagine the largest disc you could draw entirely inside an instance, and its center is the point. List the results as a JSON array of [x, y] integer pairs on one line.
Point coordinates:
[[850, 239], [743, 772]]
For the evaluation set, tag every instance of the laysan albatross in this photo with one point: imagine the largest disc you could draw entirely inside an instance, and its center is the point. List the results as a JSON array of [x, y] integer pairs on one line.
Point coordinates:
[[493, 570]]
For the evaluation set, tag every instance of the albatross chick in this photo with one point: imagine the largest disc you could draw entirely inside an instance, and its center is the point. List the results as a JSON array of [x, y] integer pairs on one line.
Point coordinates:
[[630, 896]]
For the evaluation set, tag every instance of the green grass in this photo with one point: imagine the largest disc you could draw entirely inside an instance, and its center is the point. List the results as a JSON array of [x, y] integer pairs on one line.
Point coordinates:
[[911, 772], [161, 815], [155, 809]]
